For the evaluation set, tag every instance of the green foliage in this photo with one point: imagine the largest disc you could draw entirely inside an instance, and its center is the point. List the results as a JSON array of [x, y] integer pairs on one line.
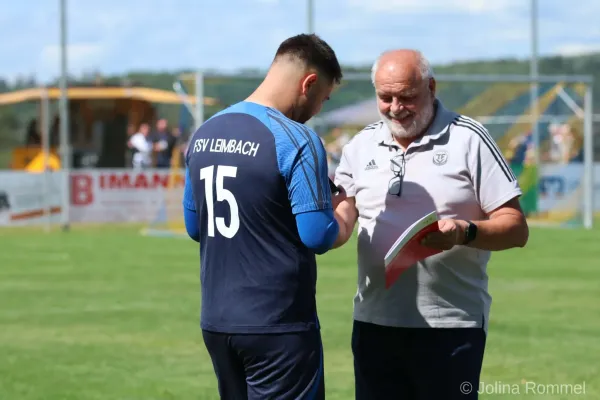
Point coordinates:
[[228, 90]]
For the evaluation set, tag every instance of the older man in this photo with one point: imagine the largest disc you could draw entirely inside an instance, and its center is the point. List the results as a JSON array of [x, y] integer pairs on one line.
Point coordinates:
[[423, 338]]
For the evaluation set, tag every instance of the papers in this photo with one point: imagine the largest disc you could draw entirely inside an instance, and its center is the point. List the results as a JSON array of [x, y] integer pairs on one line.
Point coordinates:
[[407, 250]]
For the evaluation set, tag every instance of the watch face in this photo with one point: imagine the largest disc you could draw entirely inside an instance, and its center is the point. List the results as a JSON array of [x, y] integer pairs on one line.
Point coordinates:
[[472, 231]]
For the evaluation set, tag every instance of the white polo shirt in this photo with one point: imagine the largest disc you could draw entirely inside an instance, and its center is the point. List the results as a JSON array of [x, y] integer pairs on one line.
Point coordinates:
[[457, 170], [142, 158]]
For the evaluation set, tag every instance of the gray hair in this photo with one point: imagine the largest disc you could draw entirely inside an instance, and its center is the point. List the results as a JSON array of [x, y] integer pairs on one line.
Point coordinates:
[[424, 67]]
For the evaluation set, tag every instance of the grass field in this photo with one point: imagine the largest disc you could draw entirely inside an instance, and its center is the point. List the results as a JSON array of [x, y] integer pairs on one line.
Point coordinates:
[[104, 313]]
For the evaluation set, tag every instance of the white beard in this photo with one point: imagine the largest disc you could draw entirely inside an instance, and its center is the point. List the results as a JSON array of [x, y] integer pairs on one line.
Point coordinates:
[[414, 129]]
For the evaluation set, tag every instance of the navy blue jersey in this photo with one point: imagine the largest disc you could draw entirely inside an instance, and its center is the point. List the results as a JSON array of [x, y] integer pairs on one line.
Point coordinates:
[[251, 171]]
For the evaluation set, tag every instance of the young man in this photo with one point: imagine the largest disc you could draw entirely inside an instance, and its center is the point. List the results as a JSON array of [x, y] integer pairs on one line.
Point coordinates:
[[258, 200]]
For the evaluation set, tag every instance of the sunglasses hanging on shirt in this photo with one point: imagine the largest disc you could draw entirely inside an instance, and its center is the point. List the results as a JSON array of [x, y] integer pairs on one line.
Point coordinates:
[[398, 167]]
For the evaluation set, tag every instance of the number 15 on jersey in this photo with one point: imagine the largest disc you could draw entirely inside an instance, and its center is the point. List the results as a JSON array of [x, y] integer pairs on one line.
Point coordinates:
[[207, 174]]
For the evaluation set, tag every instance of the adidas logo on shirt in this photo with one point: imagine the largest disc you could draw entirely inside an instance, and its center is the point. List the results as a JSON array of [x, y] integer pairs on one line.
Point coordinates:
[[371, 165]]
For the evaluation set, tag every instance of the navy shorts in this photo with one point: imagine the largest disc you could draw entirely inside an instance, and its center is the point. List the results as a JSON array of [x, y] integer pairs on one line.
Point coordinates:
[[267, 366], [416, 363]]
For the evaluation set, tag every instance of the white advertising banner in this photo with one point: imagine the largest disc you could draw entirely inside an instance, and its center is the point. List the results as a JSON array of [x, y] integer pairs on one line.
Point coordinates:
[[561, 188], [108, 195], [29, 199], [126, 195], [123, 195]]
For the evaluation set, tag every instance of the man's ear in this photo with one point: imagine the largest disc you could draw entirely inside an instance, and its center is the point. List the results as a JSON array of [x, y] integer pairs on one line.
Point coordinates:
[[308, 82], [432, 86]]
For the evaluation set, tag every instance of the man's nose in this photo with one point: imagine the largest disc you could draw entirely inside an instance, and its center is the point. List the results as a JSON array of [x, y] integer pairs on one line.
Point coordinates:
[[397, 106]]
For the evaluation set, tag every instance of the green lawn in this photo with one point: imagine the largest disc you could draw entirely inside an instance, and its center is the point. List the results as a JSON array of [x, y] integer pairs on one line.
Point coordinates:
[[104, 313]]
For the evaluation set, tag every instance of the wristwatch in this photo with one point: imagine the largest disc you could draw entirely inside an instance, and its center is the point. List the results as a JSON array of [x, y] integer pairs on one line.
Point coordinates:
[[470, 233]]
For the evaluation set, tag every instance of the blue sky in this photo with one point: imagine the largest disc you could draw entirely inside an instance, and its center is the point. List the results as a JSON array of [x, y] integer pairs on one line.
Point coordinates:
[[115, 36]]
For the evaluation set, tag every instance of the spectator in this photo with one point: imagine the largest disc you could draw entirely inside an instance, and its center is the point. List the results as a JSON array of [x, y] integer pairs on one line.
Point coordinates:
[[179, 146], [33, 134], [164, 144], [561, 143], [129, 151], [142, 147], [520, 148]]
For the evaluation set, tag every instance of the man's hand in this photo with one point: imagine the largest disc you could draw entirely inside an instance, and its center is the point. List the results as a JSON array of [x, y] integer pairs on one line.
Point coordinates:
[[336, 199], [452, 233], [346, 216]]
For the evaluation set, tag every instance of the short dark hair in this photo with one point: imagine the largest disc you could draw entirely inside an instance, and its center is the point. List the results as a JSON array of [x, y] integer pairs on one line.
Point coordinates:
[[315, 52]]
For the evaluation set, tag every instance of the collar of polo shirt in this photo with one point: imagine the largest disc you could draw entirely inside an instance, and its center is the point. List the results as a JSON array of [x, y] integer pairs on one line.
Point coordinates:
[[438, 127]]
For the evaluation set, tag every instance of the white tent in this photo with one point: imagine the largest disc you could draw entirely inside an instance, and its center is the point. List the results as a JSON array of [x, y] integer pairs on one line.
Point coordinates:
[[358, 114]]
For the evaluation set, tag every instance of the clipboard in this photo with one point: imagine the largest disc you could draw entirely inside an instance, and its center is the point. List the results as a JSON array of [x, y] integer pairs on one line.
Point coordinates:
[[408, 250]]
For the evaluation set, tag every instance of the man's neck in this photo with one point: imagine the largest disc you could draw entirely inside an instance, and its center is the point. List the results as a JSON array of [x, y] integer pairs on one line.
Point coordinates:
[[273, 95], [405, 142]]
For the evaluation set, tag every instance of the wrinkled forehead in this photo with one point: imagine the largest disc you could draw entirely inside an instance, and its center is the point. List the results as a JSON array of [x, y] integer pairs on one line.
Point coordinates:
[[398, 76]]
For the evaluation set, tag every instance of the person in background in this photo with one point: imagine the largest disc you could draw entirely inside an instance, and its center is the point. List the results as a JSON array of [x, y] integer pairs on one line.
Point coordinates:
[[129, 150], [179, 147], [34, 138], [142, 147], [561, 143], [164, 143]]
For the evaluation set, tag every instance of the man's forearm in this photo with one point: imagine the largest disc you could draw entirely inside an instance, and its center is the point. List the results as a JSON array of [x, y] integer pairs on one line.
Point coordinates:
[[345, 231], [501, 233]]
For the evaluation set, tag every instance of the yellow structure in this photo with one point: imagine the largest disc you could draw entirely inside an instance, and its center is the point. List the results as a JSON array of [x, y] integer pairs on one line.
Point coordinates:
[[492, 99], [522, 124], [39, 163], [89, 104]]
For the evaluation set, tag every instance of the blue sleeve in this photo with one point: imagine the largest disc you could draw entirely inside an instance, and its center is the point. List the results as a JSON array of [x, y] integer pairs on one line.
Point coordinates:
[[318, 230], [188, 193], [191, 224], [303, 163], [189, 210]]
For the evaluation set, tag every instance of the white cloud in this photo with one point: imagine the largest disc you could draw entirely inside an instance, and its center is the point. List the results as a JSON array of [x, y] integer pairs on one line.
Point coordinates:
[[80, 56], [436, 6], [120, 35]]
